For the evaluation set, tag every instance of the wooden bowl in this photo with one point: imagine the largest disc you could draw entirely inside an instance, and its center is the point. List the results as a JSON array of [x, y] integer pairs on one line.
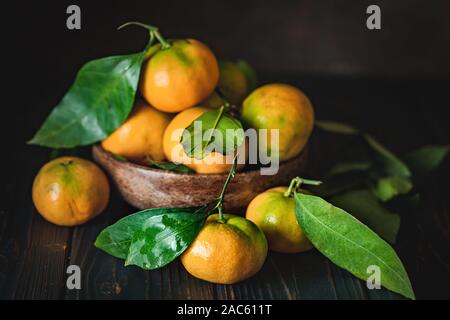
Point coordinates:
[[145, 187]]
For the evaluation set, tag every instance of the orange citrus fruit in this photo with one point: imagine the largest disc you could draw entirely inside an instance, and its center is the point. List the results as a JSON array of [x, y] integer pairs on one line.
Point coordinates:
[[233, 84], [179, 77], [69, 191], [140, 136], [212, 163], [283, 107], [274, 213], [226, 252]]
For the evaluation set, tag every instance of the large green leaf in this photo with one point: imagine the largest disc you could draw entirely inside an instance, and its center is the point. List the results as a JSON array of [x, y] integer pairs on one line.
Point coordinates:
[[116, 239], [98, 102], [426, 159], [213, 131], [152, 238], [349, 243], [164, 237], [363, 205]]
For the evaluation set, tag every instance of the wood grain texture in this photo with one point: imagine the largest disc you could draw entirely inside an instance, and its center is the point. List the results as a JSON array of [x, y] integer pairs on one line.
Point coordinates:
[[34, 254]]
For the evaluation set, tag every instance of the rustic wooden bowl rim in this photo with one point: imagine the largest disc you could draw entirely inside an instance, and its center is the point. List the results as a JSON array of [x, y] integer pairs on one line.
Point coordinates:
[[130, 164]]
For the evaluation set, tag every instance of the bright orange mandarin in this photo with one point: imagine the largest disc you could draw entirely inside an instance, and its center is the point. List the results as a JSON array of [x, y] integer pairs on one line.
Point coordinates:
[[140, 136], [179, 77], [69, 191], [226, 252]]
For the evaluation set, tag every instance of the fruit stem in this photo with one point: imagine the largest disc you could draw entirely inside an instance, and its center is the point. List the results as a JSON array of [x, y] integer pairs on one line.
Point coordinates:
[[164, 43], [153, 31], [219, 205], [291, 186], [231, 107], [226, 102], [297, 182], [311, 182]]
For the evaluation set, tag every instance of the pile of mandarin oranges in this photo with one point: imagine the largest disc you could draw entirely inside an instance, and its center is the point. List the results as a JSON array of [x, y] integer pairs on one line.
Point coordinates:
[[177, 85]]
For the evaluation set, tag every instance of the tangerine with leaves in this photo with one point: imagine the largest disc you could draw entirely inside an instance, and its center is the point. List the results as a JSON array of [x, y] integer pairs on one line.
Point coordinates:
[[213, 163], [178, 74]]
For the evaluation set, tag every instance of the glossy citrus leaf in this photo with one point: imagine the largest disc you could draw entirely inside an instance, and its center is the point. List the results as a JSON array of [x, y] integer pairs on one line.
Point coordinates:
[[116, 239], [97, 103], [214, 130], [349, 243]]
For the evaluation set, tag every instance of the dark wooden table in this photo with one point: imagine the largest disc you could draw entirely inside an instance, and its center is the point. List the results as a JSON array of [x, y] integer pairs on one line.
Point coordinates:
[[404, 114]]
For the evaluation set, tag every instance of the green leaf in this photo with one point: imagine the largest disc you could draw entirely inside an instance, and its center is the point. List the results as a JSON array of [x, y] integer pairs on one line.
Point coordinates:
[[212, 131], [250, 74], [169, 166], [349, 243], [98, 102], [364, 206], [389, 163], [387, 188], [117, 239], [164, 237], [426, 159], [336, 127], [344, 167]]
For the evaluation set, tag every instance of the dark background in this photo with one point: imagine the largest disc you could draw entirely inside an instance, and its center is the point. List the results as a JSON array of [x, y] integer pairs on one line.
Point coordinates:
[[392, 82], [290, 37], [298, 39]]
